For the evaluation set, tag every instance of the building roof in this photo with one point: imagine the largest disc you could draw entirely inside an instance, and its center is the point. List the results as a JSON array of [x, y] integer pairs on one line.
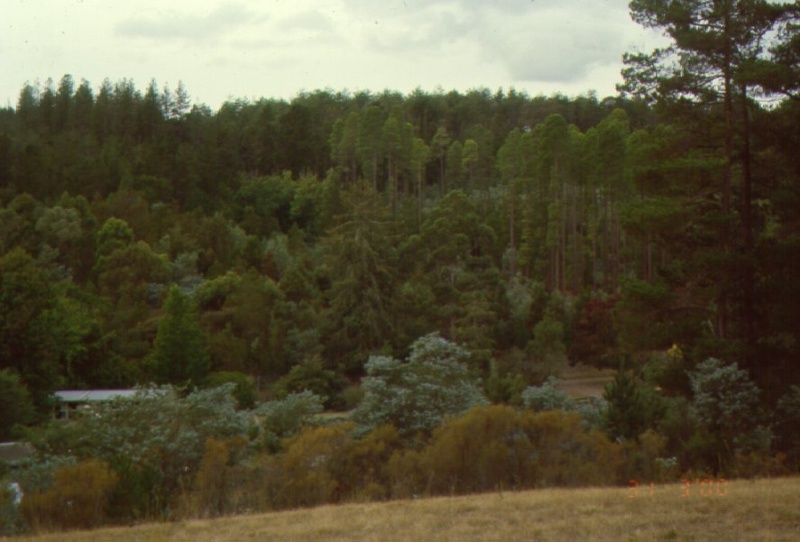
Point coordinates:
[[90, 396], [15, 451]]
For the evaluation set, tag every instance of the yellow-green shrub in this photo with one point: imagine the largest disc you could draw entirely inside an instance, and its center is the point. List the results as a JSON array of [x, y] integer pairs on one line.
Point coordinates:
[[485, 449], [78, 498], [362, 470], [499, 447], [407, 474], [569, 455], [308, 465]]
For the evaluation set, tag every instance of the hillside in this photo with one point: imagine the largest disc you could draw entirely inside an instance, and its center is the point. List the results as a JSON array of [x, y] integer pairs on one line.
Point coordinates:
[[745, 510]]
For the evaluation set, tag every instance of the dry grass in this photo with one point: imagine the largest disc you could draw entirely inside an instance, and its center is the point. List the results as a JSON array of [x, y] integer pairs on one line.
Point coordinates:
[[581, 381], [760, 510]]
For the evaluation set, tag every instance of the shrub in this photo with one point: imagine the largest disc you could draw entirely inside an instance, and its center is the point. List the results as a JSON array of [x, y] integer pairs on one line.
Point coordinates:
[[155, 442], [312, 376], [79, 498], [407, 475], [417, 395], [11, 522], [547, 397], [244, 390], [483, 450], [570, 455], [309, 463], [787, 428], [727, 409], [211, 487], [285, 417], [362, 471], [499, 447]]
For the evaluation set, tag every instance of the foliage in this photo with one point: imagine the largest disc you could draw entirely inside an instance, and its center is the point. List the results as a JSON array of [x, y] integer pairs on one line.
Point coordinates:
[[11, 520], [418, 394], [498, 447], [308, 465], [79, 498], [154, 441], [311, 376], [787, 412], [632, 406], [546, 397], [727, 406], [547, 347], [285, 417], [244, 390], [506, 389], [16, 405], [362, 471], [179, 354]]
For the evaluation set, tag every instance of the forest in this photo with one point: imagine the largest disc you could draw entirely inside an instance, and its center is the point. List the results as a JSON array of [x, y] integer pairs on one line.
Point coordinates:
[[426, 264]]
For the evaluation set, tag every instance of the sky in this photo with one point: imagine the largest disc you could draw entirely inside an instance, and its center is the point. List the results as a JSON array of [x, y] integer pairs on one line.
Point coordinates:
[[225, 50]]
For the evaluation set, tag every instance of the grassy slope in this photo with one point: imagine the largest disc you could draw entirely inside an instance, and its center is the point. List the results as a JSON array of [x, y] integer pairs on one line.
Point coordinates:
[[760, 510]]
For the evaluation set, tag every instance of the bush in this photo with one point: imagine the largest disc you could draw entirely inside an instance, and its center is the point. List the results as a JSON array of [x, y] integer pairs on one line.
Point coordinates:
[[727, 409], [417, 395], [155, 442], [547, 397], [362, 472], [787, 428], [11, 522], [486, 449], [408, 476], [309, 464], [244, 390], [79, 498], [499, 447], [211, 496], [285, 417], [312, 376]]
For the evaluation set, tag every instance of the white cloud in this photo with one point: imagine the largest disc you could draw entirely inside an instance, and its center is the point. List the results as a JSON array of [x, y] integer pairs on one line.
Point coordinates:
[[177, 25]]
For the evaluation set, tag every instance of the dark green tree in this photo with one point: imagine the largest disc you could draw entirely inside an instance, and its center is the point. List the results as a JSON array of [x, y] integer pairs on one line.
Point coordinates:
[[16, 404], [626, 414], [708, 68], [179, 351]]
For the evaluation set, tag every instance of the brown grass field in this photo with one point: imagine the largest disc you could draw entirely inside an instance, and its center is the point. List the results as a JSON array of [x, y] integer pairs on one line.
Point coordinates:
[[741, 510]]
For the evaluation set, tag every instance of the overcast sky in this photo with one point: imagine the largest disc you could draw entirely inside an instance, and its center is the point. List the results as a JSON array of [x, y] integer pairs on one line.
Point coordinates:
[[276, 48]]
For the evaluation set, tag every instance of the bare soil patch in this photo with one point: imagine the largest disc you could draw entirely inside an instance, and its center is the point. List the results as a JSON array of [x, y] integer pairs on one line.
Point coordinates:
[[580, 382]]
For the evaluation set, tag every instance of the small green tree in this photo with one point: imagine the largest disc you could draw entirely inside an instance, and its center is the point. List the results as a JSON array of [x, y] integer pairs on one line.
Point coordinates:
[[180, 354], [547, 346], [632, 406], [416, 395]]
